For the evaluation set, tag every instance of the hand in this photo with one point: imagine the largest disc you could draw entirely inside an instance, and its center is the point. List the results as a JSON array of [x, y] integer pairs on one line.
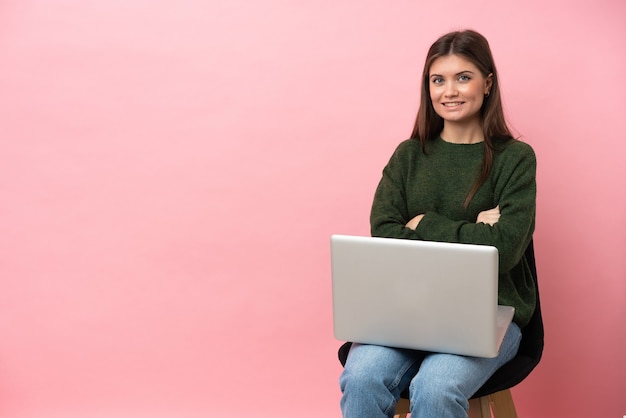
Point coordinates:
[[412, 224], [489, 217]]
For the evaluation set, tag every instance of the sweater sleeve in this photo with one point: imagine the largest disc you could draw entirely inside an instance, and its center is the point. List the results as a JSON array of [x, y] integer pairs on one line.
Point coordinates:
[[389, 213], [515, 193]]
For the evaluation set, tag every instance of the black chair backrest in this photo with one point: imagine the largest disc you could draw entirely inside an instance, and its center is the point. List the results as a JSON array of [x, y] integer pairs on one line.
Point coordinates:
[[533, 340]]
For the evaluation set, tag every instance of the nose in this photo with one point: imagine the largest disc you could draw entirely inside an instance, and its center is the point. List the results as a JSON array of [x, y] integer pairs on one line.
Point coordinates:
[[451, 90]]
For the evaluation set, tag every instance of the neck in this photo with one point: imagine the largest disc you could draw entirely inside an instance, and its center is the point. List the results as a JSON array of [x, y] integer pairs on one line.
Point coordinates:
[[462, 133]]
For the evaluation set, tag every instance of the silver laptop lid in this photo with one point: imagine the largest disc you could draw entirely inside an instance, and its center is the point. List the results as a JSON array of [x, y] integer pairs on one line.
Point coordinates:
[[425, 295]]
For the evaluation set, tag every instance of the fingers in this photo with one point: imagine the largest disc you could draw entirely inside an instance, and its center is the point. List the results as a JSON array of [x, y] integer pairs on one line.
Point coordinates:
[[489, 217]]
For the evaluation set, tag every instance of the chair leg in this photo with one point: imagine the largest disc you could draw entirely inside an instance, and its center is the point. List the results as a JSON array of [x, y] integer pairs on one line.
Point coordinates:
[[479, 408], [403, 407], [502, 404]]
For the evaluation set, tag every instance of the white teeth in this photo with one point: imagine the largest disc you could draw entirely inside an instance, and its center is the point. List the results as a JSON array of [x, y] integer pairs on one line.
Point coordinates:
[[452, 104]]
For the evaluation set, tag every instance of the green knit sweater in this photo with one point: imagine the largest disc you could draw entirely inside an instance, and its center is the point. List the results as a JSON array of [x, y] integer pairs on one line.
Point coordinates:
[[436, 184]]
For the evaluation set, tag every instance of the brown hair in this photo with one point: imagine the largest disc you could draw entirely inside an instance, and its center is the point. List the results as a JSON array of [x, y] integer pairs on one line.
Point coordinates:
[[474, 47]]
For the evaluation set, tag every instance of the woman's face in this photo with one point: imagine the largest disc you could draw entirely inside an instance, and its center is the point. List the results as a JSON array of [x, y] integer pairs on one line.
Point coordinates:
[[457, 89]]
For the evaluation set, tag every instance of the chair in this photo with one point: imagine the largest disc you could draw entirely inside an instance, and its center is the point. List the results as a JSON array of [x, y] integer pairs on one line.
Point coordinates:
[[495, 394]]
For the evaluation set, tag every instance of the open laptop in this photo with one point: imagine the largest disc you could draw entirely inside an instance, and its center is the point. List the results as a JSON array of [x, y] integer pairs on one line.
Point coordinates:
[[431, 296]]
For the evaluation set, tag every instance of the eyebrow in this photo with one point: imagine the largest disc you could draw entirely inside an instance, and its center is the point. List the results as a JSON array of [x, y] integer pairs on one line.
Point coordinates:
[[457, 74]]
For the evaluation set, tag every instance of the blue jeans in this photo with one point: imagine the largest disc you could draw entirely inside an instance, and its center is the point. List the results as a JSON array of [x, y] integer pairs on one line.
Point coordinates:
[[439, 384]]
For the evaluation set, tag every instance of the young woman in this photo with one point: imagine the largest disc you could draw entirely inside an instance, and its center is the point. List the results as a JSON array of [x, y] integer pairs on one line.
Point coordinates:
[[461, 177]]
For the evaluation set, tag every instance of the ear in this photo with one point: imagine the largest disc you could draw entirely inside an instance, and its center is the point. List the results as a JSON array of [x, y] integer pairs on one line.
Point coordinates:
[[488, 83]]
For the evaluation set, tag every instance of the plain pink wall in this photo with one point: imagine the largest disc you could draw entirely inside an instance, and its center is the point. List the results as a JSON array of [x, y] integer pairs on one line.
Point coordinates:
[[171, 172]]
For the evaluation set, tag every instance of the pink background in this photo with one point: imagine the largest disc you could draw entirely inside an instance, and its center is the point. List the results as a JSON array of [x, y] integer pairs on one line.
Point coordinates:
[[171, 172]]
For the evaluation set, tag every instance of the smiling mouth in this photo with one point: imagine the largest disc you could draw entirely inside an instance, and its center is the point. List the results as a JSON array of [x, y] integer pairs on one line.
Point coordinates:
[[451, 104]]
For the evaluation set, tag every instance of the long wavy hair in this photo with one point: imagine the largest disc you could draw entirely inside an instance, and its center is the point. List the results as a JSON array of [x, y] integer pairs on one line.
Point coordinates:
[[473, 47]]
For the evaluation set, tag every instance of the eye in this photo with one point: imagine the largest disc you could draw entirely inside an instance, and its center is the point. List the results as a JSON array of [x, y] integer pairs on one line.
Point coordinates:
[[464, 77], [436, 80]]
